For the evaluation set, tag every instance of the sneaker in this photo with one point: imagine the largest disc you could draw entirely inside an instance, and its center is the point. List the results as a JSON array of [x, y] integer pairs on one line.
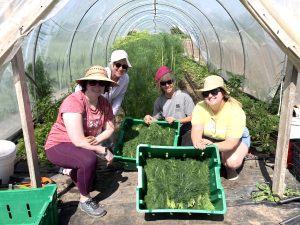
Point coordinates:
[[92, 208], [64, 171], [231, 174]]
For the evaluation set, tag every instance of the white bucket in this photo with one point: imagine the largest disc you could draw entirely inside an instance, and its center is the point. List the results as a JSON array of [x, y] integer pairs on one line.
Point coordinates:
[[7, 160]]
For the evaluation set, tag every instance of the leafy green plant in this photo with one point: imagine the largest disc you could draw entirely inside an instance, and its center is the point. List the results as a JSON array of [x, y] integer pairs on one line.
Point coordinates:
[[176, 31], [40, 132], [177, 184], [147, 53], [39, 82], [196, 71], [264, 193], [144, 134], [45, 111], [261, 123]]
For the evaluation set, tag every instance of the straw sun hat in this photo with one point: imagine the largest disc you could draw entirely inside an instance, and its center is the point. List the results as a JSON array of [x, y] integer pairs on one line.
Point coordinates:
[[212, 82], [96, 73]]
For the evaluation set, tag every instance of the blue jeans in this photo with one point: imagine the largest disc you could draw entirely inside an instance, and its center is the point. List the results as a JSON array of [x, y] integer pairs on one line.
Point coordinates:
[[246, 137]]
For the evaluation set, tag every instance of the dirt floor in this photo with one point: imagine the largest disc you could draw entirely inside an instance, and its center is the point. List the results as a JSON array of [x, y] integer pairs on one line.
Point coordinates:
[[116, 191]]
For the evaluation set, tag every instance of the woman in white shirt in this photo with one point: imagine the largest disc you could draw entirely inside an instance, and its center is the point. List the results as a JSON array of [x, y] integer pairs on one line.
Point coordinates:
[[116, 71]]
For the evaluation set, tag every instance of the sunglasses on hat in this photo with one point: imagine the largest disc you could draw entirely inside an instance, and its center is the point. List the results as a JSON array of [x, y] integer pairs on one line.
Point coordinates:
[[214, 92], [95, 82], [124, 66], [164, 83]]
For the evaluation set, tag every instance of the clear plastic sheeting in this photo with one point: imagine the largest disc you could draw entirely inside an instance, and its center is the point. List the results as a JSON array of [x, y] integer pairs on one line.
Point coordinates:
[[17, 19], [228, 38], [68, 36]]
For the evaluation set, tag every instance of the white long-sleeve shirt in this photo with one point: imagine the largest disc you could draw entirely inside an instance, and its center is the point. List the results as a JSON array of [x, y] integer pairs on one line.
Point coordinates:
[[116, 94]]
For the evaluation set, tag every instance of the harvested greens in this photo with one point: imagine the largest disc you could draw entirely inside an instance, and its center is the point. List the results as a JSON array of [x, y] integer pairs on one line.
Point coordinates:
[[153, 134], [177, 184]]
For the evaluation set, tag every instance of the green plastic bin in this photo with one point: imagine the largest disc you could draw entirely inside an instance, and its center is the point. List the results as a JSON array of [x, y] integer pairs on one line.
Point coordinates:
[[217, 195], [130, 163], [36, 206]]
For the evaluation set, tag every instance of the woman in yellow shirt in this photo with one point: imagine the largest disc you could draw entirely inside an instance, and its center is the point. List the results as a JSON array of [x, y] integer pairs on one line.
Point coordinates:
[[220, 119]]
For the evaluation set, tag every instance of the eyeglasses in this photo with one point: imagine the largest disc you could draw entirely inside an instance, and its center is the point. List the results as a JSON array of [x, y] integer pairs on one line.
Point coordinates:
[[214, 92], [124, 66], [95, 82], [163, 83]]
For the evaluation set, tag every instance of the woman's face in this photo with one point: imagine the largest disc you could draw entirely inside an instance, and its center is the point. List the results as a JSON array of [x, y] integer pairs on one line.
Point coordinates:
[[167, 84], [95, 87], [119, 68], [213, 97]]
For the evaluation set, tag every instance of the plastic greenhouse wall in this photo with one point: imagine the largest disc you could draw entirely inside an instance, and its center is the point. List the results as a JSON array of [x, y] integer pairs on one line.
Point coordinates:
[[81, 33]]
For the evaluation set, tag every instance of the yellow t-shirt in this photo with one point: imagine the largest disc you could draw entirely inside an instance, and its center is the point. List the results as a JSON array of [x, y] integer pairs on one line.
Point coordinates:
[[229, 122]]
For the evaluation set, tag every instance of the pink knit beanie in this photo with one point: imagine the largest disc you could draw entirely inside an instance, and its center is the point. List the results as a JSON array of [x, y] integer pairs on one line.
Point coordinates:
[[163, 70]]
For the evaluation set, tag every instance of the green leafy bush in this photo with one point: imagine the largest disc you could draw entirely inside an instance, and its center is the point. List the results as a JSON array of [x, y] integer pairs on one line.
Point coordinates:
[[144, 134], [40, 132], [264, 193], [198, 71], [45, 111], [146, 54], [177, 184], [261, 123], [39, 83]]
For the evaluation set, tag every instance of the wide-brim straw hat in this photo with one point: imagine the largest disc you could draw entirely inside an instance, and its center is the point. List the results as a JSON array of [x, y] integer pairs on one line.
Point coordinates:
[[96, 73], [212, 82]]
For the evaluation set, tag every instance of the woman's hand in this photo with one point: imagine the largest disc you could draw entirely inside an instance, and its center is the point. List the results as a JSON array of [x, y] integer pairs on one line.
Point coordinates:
[[170, 119], [201, 143], [109, 157], [92, 140], [106, 154], [148, 119]]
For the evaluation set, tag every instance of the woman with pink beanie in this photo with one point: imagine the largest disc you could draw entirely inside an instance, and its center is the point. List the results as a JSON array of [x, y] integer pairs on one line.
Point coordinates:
[[173, 104]]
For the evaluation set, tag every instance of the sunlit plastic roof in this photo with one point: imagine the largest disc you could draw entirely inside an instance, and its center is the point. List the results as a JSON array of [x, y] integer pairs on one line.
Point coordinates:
[[71, 35]]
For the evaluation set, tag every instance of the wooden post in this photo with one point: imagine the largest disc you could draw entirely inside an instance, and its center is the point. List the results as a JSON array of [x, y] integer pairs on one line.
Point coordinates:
[[289, 90], [26, 118]]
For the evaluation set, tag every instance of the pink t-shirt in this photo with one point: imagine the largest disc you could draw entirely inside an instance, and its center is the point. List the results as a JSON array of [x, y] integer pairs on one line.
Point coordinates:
[[93, 120]]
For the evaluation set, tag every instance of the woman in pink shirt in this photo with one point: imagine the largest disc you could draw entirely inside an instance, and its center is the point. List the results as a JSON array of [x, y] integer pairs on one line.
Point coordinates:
[[84, 121]]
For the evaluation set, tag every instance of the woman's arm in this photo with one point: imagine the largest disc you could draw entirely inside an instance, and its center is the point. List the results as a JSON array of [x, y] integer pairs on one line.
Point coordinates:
[[182, 121], [196, 135], [118, 99], [109, 129], [73, 123]]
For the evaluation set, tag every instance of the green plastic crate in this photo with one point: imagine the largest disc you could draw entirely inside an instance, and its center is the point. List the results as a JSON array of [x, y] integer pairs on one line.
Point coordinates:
[[217, 195], [36, 206], [130, 163]]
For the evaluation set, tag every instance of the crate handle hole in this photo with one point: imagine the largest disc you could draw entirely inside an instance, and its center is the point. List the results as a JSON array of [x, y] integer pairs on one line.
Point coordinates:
[[28, 209], [9, 212]]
